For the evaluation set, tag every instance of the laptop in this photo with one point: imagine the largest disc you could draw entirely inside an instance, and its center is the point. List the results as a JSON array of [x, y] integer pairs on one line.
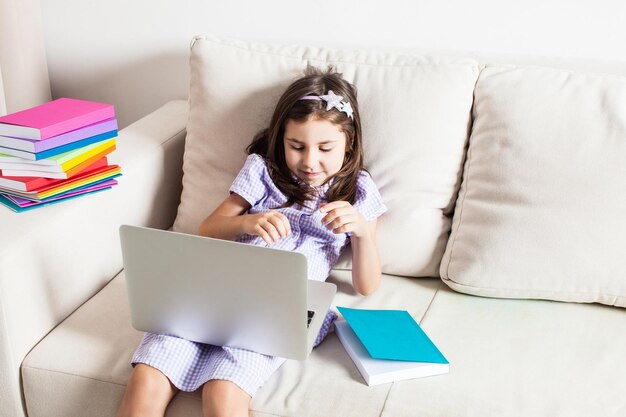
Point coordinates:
[[222, 292]]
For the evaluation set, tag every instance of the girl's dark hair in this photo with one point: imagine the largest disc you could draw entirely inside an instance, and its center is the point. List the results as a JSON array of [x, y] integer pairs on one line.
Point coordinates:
[[269, 142]]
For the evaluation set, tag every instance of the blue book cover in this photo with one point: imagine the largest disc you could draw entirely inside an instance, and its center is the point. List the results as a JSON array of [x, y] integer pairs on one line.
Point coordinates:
[[392, 335]]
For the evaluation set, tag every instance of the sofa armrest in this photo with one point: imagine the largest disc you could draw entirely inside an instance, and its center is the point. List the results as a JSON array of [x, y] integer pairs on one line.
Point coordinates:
[[55, 258]]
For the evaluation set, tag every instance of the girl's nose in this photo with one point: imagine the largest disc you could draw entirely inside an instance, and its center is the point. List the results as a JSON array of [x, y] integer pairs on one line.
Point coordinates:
[[309, 158]]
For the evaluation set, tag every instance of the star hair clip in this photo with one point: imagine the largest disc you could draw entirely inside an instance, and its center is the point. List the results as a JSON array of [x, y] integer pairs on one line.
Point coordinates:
[[333, 101]]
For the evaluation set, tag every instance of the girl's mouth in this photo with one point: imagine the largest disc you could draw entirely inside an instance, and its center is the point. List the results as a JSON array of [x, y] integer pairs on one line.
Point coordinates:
[[310, 175]]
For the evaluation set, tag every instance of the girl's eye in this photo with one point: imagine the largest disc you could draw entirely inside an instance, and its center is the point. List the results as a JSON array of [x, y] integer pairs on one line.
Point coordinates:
[[297, 148], [326, 150]]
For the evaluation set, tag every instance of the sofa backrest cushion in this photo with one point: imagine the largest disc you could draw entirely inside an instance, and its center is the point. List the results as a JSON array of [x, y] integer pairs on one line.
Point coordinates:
[[540, 213], [416, 114]]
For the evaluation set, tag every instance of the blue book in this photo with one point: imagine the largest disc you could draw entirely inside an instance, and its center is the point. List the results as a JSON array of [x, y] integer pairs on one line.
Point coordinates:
[[388, 345]]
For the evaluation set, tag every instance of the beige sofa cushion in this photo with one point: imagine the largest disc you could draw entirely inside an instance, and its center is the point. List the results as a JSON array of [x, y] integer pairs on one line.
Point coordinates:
[[518, 358], [540, 213], [415, 111]]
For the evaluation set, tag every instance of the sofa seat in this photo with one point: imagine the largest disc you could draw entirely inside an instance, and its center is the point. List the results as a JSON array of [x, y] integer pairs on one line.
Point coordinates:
[[508, 358]]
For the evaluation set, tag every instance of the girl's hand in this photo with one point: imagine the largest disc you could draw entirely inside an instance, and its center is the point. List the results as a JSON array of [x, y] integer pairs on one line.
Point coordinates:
[[271, 226], [342, 217]]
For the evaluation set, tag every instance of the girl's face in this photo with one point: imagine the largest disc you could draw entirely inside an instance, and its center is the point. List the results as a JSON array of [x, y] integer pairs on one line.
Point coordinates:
[[314, 149]]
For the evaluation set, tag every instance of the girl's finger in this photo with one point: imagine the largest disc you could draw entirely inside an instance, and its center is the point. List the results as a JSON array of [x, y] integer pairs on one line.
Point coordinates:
[[344, 228], [338, 212], [271, 230], [287, 223], [266, 226], [279, 225], [340, 221], [279, 221], [332, 205], [263, 234], [284, 222]]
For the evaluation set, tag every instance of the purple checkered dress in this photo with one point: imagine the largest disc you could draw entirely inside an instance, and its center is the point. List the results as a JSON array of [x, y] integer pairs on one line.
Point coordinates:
[[188, 364]]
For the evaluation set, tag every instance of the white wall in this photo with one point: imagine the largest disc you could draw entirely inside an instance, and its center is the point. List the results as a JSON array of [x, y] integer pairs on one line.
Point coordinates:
[[24, 78], [134, 53]]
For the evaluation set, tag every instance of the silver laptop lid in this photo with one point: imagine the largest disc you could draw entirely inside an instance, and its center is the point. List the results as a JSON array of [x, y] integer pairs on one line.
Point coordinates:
[[216, 291]]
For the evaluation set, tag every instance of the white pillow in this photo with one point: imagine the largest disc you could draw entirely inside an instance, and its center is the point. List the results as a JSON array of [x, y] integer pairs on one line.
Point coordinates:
[[541, 210], [415, 113]]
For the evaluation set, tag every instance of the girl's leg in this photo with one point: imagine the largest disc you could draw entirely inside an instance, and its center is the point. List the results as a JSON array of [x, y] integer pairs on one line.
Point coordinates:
[[148, 393], [222, 398]]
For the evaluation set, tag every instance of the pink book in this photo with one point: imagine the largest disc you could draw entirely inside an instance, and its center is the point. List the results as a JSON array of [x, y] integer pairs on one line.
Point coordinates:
[[54, 118]]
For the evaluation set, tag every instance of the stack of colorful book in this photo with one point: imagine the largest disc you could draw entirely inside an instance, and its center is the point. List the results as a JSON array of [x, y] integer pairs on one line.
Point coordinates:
[[55, 152]]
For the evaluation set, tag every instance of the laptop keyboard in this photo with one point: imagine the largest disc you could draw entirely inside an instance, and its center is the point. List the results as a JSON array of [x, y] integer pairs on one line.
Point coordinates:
[[310, 314]]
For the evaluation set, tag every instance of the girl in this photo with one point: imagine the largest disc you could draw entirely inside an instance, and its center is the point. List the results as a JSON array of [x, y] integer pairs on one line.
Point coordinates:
[[302, 188]]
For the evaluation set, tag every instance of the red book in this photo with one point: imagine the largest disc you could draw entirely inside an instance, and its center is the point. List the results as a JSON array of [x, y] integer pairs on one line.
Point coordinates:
[[54, 118], [37, 183]]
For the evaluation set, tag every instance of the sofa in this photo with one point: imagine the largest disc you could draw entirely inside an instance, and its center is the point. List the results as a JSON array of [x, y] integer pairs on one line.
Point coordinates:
[[505, 236]]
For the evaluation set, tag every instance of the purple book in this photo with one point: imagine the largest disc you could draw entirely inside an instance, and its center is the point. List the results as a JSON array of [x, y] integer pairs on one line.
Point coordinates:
[[33, 145]]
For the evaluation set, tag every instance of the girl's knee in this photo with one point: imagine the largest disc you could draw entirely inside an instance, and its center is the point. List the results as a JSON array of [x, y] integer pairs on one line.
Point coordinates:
[[148, 388], [222, 398], [148, 392], [152, 382]]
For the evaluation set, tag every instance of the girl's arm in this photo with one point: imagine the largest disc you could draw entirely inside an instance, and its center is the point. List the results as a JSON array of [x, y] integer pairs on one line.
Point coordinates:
[[365, 262], [228, 221], [342, 217]]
